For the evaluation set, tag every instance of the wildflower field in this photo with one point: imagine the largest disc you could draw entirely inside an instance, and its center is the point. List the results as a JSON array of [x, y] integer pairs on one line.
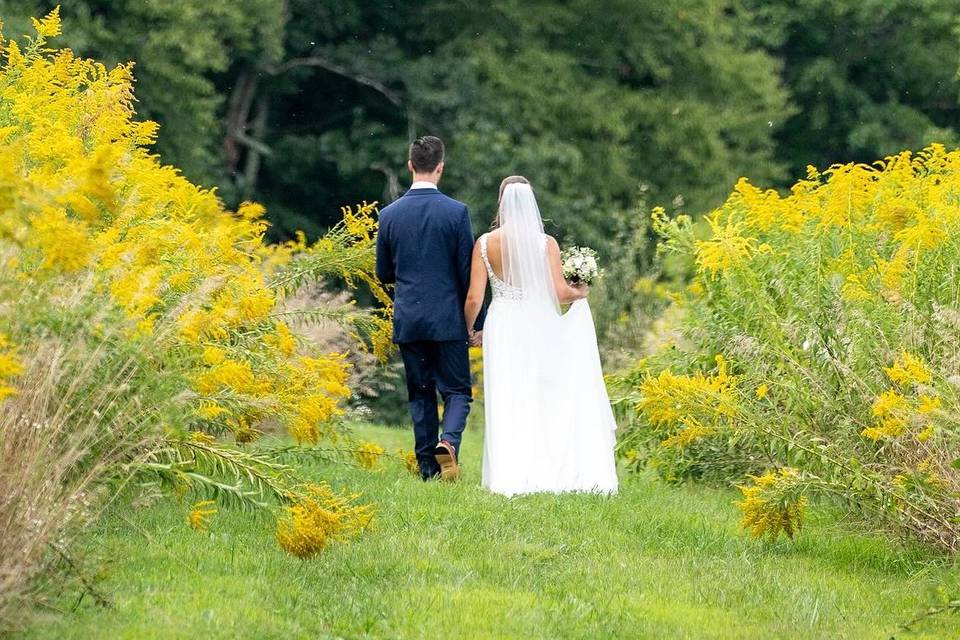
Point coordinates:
[[183, 454]]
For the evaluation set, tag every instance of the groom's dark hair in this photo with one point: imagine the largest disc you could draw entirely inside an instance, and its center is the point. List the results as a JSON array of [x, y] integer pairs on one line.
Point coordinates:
[[426, 152]]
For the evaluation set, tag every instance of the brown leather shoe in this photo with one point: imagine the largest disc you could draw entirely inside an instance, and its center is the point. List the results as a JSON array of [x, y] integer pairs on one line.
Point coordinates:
[[447, 459]]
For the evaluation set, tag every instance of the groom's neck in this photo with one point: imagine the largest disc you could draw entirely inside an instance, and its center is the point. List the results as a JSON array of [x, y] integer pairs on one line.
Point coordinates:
[[432, 178]]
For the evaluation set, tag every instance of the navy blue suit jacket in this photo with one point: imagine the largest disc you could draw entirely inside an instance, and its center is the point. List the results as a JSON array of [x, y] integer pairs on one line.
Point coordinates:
[[424, 245]]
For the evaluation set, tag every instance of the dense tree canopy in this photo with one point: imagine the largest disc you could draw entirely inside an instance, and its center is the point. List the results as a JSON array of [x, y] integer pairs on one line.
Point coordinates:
[[184, 52], [869, 78], [305, 105]]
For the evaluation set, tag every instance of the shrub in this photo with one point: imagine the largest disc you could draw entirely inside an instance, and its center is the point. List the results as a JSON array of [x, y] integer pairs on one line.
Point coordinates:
[[142, 332], [819, 338]]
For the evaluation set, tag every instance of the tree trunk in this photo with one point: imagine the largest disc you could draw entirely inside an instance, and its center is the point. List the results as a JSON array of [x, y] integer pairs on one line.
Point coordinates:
[[254, 152], [238, 114]]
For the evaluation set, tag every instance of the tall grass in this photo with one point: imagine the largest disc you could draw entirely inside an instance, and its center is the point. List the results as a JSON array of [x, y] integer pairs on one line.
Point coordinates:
[[84, 413]]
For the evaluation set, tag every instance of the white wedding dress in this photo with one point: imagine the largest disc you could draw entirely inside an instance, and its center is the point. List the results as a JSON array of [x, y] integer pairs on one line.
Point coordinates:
[[549, 424]]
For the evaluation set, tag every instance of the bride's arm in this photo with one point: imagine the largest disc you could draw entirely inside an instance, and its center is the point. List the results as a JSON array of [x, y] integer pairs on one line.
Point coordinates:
[[478, 287], [565, 293]]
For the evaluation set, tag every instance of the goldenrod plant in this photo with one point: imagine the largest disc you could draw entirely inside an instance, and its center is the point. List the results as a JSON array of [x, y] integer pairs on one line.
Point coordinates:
[[368, 454], [817, 345], [317, 517], [160, 311]]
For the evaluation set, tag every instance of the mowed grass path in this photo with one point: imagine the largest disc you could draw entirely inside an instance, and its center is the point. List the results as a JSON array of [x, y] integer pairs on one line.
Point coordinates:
[[456, 562]]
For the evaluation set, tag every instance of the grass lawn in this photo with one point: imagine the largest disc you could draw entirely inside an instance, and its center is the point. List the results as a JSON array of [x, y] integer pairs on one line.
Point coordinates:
[[452, 561]]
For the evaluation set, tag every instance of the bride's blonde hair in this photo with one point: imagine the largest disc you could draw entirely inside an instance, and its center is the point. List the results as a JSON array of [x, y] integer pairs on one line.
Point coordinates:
[[503, 185]]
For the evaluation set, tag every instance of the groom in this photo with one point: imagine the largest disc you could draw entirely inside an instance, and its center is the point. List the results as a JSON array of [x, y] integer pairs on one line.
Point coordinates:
[[424, 246]]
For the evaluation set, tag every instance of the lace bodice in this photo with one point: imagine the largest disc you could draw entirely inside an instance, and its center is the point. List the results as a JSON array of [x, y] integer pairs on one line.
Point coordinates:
[[501, 290]]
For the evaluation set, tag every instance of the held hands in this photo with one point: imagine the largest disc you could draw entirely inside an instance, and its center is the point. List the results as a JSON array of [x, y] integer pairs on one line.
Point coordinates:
[[476, 338]]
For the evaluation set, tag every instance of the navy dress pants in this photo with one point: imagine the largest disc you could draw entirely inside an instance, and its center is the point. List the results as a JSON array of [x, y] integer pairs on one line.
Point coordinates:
[[433, 367]]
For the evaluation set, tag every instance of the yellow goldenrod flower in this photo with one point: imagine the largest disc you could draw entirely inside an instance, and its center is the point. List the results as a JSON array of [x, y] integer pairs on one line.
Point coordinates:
[[381, 339], [232, 375], [888, 403], [193, 325], [889, 427], [726, 249], [908, 369], [304, 432], [927, 433], [770, 505], [359, 224], [10, 367], [64, 242], [213, 355], [690, 432], [253, 306], [48, 27], [180, 282], [409, 459], [202, 438], [928, 404], [251, 210], [851, 187], [926, 233], [892, 271], [853, 289], [367, 454], [282, 339], [243, 433], [896, 213], [210, 411], [695, 288], [200, 514], [668, 397], [317, 517]]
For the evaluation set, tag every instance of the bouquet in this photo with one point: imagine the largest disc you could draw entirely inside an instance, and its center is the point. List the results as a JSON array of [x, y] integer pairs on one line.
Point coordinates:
[[580, 265]]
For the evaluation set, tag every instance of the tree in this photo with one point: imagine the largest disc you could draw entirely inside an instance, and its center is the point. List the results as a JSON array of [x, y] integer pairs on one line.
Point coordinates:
[[308, 104], [868, 77], [679, 103], [185, 53]]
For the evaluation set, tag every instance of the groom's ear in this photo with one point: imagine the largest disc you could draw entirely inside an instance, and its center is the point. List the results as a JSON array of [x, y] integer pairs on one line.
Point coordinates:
[[410, 166], [439, 168]]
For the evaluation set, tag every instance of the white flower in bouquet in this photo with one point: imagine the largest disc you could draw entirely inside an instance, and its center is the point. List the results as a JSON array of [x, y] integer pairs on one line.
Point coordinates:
[[580, 265]]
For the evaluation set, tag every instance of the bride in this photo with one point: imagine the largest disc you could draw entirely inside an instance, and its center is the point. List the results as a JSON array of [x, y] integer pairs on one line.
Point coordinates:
[[549, 425]]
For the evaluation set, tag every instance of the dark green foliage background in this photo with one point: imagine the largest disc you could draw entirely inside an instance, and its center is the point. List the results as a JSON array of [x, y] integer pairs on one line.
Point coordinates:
[[305, 105]]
